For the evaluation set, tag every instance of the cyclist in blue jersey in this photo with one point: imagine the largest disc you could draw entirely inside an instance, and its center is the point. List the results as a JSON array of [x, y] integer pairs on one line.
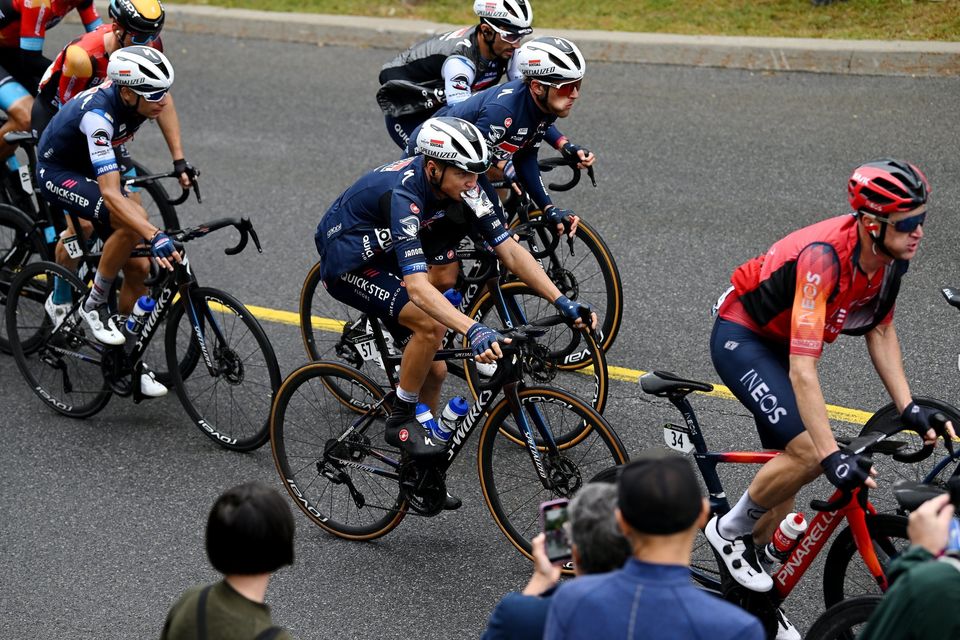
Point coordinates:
[[450, 67], [516, 116], [377, 237], [78, 170]]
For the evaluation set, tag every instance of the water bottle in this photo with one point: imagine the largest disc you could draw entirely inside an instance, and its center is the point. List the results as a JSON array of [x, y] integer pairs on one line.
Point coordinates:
[[427, 421], [454, 296], [785, 537], [451, 417], [953, 537], [141, 310]]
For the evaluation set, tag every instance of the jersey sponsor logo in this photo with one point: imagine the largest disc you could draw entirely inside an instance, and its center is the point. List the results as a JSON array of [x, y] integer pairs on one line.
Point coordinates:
[[460, 83], [384, 239], [100, 138], [450, 254], [522, 131], [414, 208], [66, 194], [810, 290], [507, 122], [365, 286], [396, 166], [507, 147], [334, 229], [409, 253], [505, 92], [409, 226], [367, 248], [496, 132], [760, 392]]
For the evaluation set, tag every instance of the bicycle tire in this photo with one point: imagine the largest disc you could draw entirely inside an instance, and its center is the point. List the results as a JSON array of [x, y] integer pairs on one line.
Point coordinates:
[[844, 620], [305, 417], [238, 418], [20, 243], [62, 368], [610, 314], [563, 363], [160, 212], [323, 320], [889, 534], [505, 468], [12, 193], [890, 471]]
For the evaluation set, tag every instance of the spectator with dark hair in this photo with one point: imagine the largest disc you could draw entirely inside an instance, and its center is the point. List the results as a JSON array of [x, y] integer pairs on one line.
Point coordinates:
[[598, 546], [660, 508], [925, 596], [249, 536]]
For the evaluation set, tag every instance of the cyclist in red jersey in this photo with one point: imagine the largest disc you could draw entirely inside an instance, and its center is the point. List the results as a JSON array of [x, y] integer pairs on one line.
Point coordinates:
[[841, 275], [23, 25]]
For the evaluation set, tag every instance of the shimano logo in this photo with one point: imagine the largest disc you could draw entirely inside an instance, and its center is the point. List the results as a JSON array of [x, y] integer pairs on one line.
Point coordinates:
[[66, 194]]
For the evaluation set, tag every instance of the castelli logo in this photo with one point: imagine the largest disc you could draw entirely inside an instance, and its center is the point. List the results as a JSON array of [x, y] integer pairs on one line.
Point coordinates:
[[404, 435], [507, 122]]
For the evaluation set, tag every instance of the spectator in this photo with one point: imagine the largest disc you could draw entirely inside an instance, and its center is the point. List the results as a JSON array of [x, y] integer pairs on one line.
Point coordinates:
[[598, 547], [249, 536], [925, 596], [659, 511]]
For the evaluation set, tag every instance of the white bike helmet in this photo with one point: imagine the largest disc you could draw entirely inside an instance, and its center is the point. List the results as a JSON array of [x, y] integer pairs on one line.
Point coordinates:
[[551, 60], [512, 16], [455, 142], [144, 69]]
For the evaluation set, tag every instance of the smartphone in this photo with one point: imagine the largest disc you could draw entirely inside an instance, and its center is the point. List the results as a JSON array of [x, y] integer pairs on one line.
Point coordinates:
[[554, 518]]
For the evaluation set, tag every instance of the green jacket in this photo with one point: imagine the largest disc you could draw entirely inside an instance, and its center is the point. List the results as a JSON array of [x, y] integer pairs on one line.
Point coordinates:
[[923, 602], [229, 616]]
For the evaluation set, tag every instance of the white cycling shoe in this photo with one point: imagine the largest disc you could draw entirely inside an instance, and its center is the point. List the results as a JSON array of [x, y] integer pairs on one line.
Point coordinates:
[[56, 312], [150, 386], [740, 557], [101, 323], [785, 630]]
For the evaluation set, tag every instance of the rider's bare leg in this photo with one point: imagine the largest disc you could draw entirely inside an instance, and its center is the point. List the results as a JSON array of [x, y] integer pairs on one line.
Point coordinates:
[[418, 371]]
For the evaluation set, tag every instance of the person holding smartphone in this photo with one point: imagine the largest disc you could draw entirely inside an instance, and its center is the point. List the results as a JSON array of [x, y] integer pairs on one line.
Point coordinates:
[[583, 532], [659, 509]]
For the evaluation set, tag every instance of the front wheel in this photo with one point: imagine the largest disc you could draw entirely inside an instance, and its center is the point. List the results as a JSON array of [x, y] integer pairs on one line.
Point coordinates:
[[844, 576], [844, 620], [20, 244], [231, 404], [510, 479]]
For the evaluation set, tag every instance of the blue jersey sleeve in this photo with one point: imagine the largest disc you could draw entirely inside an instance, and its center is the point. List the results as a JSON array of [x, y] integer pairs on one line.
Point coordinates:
[[491, 225], [98, 129], [525, 162], [405, 212]]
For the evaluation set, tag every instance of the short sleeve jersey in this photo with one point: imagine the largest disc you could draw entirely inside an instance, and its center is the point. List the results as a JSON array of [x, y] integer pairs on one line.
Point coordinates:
[[82, 135], [24, 23], [392, 209], [809, 288]]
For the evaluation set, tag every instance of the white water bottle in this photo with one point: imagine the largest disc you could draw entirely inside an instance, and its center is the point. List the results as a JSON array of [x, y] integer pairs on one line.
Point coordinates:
[[451, 417], [785, 537], [144, 306]]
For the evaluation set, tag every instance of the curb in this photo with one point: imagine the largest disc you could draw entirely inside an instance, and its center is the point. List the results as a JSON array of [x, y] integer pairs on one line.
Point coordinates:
[[860, 57]]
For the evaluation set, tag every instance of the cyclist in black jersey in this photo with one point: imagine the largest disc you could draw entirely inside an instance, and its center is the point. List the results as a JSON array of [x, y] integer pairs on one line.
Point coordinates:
[[449, 68]]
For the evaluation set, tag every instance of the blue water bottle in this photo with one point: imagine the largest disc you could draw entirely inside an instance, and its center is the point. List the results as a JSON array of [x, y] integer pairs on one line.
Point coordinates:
[[143, 308], [454, 296], [953, 537], [427, 421], [451, 417]]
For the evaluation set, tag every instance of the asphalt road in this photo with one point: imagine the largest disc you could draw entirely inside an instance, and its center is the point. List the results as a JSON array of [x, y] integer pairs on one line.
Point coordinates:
[[699, 170]]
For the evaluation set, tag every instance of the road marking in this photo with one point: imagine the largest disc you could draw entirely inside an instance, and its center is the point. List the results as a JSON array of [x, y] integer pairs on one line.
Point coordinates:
[[623, 374]]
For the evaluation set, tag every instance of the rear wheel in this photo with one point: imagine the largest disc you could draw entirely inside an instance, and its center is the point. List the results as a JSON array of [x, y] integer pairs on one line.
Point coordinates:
[[346, 487], [20, 244], [62, 365]]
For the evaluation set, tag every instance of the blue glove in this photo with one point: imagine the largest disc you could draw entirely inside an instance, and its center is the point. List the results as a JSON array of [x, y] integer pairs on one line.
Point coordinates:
[[481, 338], [571, 152], [846, 471], [917, 417], [509, 171], [572, 310], [557, 215], [161, 246]]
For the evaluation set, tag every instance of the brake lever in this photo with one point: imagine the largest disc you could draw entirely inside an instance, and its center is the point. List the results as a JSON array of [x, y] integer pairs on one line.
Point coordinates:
[[196, 188], [256, 240], [939, 423], [593, 178]]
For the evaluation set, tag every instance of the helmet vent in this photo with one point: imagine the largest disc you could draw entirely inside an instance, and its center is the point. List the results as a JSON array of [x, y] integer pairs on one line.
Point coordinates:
[[875, 197], [891, 187]]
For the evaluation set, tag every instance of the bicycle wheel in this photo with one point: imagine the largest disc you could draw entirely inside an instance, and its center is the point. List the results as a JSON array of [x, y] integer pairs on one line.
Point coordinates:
[[557, 359], [349, 500], [935, 469], [156, 201], [587, 273], [62, 366], [329, 329], [844, 577], [844, 620], [230, 405], [20, 244], [511, 485]]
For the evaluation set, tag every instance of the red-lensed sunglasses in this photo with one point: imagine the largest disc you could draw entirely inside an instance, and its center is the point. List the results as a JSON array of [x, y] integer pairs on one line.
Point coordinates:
[[564, 90]]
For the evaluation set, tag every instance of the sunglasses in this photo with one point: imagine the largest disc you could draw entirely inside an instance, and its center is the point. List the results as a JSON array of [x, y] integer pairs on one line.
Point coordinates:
[[142, 38], [564, 90], [155, 96], [506, 36], [906, 225]]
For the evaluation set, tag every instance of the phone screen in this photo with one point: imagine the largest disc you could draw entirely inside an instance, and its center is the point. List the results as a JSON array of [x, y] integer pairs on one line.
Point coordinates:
[[555, 519]]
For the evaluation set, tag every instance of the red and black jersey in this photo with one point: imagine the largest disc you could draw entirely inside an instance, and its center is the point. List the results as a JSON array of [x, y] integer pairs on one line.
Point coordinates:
[[809, 288], [24, 23]]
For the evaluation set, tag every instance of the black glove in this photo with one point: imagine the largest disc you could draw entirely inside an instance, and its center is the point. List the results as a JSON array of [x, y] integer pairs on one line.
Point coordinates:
[[846, 471], [917, 417], [571, 152], [182, 166]]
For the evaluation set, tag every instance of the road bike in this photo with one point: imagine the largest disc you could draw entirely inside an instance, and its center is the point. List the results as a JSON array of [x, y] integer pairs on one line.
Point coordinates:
[[876, 538], [207, 331], [536, 443]]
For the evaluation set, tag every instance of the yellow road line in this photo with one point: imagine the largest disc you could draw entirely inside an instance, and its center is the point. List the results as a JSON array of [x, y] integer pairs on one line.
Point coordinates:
[[623, 374]]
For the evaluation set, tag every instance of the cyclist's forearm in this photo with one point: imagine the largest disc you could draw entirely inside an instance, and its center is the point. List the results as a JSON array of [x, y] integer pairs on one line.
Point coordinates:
[[124, 212], [884, 348], [169, 123], [519, 261], [810, 402]]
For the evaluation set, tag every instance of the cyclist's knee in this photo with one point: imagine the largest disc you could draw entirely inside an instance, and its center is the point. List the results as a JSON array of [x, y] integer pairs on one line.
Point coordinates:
[[444, 276], [437, 373], [136, 269], [803, 456], [126, 237]]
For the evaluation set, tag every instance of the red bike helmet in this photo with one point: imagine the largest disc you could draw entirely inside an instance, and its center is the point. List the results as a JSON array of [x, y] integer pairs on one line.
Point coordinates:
[[887, 186]]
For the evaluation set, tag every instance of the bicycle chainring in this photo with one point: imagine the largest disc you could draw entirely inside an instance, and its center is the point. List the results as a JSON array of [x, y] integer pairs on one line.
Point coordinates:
[[424, 487], [564, 475]]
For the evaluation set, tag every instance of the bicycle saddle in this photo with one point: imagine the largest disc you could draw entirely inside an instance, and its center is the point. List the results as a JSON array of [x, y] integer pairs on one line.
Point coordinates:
[[18, 137], [664, 383]]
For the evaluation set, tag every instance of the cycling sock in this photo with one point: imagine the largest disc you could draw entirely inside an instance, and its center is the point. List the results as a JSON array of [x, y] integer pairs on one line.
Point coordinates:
[[12, 163], [406, 396], [98, 293], [61, 291], [740, 520]]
